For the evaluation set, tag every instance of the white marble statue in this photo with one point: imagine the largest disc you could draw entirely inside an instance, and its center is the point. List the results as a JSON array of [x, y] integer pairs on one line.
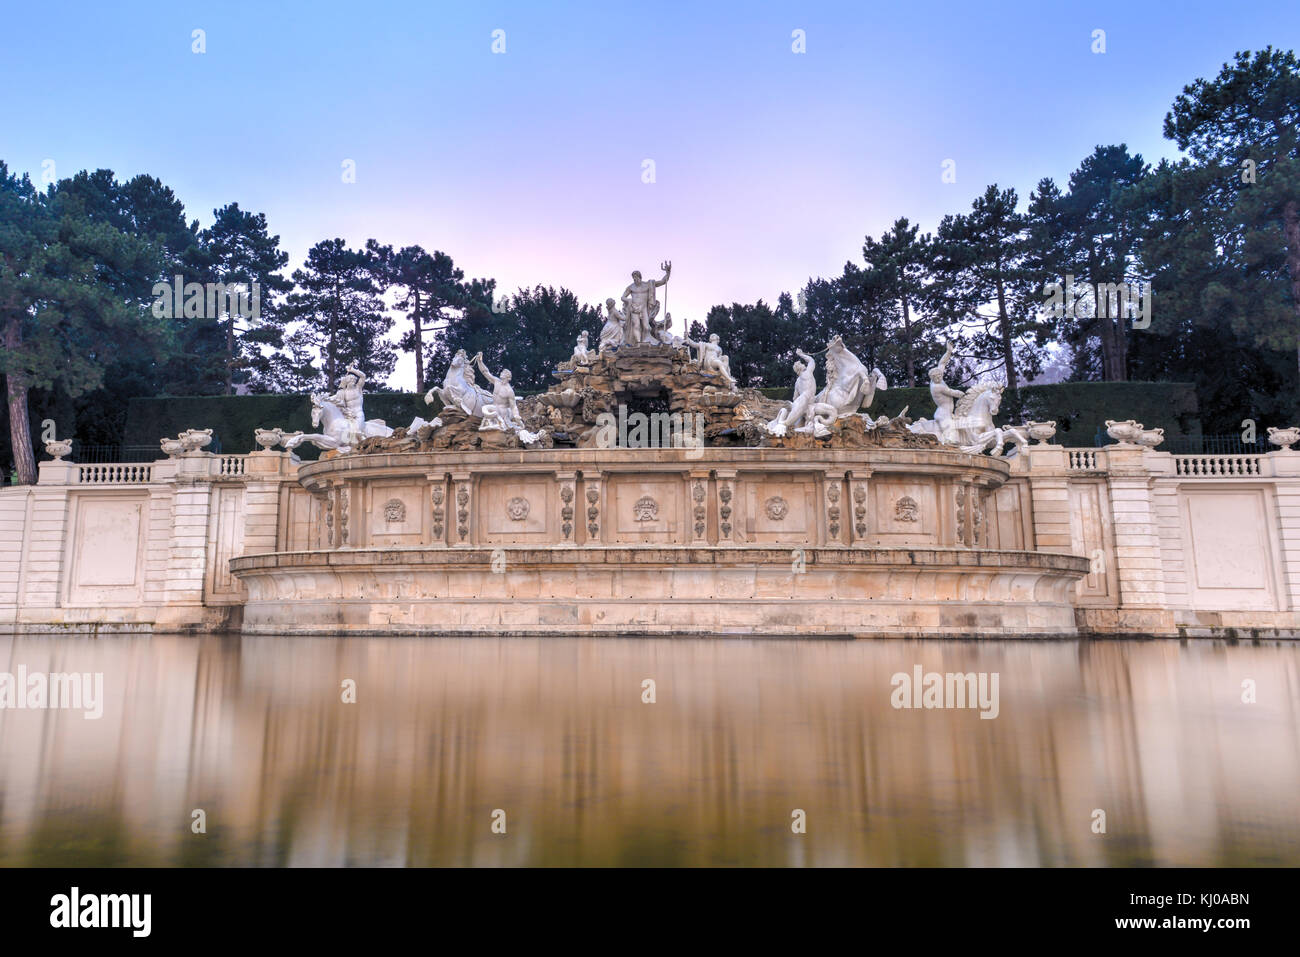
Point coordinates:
[[973, 429], [459, 389], [943, 395], [798, 415], [611, 333], [965, 419], [661, 332], [418, 423], [850, 385], [340, 417], [581, 352], [640, 306], [712, 360], [502, 413]]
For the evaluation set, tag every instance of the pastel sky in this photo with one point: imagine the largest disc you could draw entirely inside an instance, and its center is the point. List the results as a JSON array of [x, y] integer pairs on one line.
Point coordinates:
[[770, 165]]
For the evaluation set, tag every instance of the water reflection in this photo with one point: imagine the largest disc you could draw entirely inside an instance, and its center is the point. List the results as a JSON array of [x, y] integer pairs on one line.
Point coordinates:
[[554, 732]]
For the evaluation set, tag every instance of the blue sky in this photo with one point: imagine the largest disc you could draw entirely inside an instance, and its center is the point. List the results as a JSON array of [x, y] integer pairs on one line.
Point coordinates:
[[770, 166]]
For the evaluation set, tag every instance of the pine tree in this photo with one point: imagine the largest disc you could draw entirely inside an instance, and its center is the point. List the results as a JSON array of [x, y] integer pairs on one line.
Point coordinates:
[[1242, 132], [431, 290], [72, 299], [983, 282], [240, 255], [338, 314], [901, 257]]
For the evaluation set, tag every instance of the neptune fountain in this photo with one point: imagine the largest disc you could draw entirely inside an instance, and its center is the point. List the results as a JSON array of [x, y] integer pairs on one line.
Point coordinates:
[[548, 515]]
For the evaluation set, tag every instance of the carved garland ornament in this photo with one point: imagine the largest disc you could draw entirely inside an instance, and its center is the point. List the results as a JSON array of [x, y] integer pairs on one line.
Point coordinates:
[[698, 495], [566, 511], [860, 510]]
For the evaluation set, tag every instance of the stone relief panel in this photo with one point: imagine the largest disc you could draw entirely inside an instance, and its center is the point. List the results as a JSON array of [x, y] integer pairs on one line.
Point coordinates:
[[777, 508], [107, 546], [645, 509], [1006, 519], [1089, 537], [904, 511], [1232, 556], [395, 513], [516, 508], [225, 541], [301, 519]]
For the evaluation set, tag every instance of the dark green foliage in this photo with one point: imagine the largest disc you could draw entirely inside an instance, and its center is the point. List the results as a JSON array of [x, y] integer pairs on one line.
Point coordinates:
[[238, 249], [340, 316]]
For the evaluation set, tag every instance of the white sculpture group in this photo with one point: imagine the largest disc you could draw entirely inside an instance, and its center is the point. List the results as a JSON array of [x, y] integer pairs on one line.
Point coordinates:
[[499, 409], [965, 419], [340, 417], [637, 323], [850, 385]]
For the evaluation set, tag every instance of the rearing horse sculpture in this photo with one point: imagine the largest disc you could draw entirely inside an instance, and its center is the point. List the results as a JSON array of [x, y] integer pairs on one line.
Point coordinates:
[[972, 422], [849, 387], [338, 432]]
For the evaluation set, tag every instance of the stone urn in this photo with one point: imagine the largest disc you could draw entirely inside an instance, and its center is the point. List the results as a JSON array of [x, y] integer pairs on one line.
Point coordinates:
[[1041, 432], [194, 440], [1284, 438], [1150, 438], [268, 438], [58, 448], [1125, 433], [172, 447]]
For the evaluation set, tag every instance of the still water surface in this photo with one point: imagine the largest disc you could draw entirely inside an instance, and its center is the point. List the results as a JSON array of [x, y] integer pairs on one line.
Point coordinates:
[[555, 733]]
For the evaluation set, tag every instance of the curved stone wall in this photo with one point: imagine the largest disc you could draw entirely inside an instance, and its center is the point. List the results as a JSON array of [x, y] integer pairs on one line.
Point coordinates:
[[658, 541]]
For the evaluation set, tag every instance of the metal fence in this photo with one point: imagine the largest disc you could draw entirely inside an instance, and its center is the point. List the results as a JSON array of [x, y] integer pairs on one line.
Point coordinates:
[[89, 454], [1202, 444]]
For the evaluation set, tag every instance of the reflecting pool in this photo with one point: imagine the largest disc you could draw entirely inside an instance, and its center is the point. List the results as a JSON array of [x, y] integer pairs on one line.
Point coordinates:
[[556, 741]]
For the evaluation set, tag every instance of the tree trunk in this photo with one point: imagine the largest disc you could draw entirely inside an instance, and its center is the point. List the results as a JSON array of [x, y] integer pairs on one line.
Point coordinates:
[[20, 430], [1004, 326], [419, 347], [230, 356], [907, 329], [331, 352], [1291, 228]]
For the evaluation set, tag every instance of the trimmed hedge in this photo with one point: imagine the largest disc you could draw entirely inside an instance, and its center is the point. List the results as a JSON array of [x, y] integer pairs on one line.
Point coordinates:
[[1079, 408], [233, 418]]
